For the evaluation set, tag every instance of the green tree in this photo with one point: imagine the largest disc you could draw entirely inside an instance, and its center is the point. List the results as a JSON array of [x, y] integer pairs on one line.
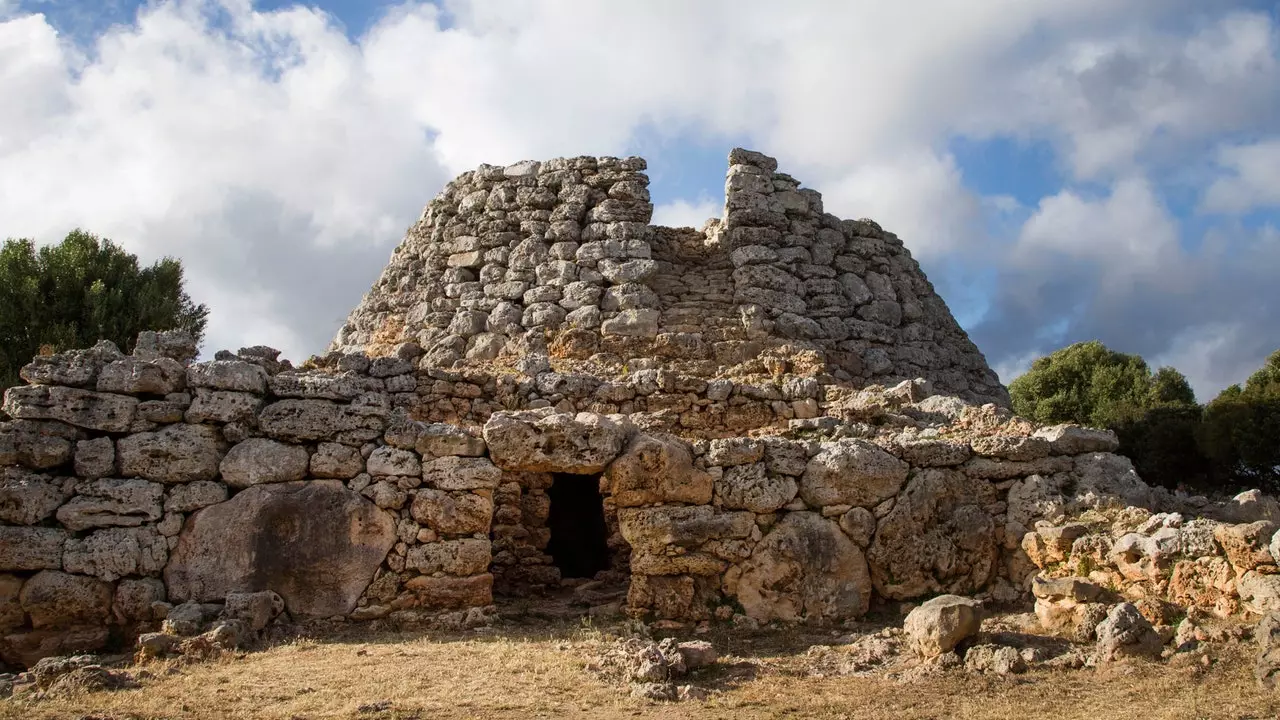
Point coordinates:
[[83, 290], [1240, 432], [1089, 384]]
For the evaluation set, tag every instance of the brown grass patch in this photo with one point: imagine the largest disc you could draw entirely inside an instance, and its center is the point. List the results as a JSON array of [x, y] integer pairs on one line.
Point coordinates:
[[540, 672]]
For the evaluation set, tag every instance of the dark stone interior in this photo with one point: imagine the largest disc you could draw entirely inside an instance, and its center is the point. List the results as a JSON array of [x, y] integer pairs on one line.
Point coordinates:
[[579, 537]]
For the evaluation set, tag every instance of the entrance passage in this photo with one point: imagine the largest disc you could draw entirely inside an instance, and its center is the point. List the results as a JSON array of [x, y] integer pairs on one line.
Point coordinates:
[[579, 538]]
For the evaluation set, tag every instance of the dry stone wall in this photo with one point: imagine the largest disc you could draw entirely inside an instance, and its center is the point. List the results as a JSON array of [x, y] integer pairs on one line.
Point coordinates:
[[559, 257]]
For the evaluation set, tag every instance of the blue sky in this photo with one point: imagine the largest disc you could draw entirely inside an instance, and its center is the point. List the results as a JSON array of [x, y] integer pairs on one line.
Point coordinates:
[[1063, 172]]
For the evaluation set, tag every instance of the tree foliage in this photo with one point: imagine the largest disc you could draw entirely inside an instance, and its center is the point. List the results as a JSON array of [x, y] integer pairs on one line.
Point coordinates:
[[1240, 432], [82, 290], [1089, 384]]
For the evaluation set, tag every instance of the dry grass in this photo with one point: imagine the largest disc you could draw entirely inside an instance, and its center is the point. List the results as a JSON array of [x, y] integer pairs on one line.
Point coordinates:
[[540, 672]]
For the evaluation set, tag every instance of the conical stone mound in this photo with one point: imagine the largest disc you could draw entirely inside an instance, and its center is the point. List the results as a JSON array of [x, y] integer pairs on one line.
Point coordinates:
[[556, 260]]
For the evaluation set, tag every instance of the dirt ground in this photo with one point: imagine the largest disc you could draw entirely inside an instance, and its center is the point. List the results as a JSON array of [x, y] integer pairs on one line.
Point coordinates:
[[540, 669]]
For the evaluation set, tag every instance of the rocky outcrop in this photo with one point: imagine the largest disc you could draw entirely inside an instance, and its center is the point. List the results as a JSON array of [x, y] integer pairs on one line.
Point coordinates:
[[805, 568]]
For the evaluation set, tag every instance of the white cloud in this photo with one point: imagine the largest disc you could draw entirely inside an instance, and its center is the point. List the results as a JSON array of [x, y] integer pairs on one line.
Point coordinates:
[[682, 213], [281, 159], [1253, 180]]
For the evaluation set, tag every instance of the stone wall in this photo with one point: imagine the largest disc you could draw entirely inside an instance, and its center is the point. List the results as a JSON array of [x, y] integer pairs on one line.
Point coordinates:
[[508, 262]]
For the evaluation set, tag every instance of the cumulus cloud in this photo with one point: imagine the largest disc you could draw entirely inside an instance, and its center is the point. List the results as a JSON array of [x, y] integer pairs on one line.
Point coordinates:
[[682, 213], [1252, 179], [281, 158]]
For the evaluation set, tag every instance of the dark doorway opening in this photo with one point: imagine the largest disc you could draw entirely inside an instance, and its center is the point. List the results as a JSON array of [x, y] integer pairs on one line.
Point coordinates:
[[579, 543]]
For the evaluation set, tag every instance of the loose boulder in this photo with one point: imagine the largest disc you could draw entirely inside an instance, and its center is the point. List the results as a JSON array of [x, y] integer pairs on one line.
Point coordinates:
[[938, 625]]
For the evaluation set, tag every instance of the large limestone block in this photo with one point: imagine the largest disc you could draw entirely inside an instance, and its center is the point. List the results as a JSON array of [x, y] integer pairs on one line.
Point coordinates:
[[461, 473], [547, 441], [938, 538], [234, 375], [1016, 448], [27, 498], [114, 553], [1104, 480], [851, 472], [103, 412], [74, 368], [176, 454], [299, 420], [112, 502], [940, 624], [1126, 633], [31, 548], [1075, 440], [752, 487], [133, 376], [805, 569], [36, 445], [25, 649], [462, 558], [1247, 546], [316, 544], [195, 495], [456, 513], [56, 599], [223, 406], [686, 526], [447, 593], [657, 468], [258, 460], [333, 460]]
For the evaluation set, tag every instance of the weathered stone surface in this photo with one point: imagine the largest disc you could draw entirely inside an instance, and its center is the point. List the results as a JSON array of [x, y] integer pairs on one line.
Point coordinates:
[[1126, 633], [344, 386], [457, 513], [683, 526], [31, 548], [12, 615], [316, 544], [657, 468], [26, 648], [256, 609], [388, 461], [27, 498], [300, 420], [176, 454], [461, 558], [1259, 593], [805, 569], [461, 473], [448, 593], [95, 458], [134, 376], [939, 624], [135, 599], [112, 502], [117, 552], [735, 451], [103, 412], [259, 460], [851, 472], [937, 538], [195, 495], [1075, 440], [441, 440], [860, 525], [751, 487], [543, 441], [332, 460], [934, 452], [1010, 447], [36, 445], [233, 375], [1247, 546], [73, 368], [55, 599], [223, 406]]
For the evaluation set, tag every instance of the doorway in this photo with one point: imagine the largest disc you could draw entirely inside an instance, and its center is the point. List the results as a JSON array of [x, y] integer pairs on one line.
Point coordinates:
[[579, 544]]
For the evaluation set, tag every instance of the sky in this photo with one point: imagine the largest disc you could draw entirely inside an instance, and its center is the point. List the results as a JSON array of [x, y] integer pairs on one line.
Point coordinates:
[[1063, 171]]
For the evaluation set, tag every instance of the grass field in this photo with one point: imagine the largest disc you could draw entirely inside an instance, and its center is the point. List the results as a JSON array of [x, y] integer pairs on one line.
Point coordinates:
[[540, 671]]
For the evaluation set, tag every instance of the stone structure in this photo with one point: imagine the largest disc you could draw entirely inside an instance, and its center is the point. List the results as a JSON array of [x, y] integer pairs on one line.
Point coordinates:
[[507, 261], [542, 386]]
